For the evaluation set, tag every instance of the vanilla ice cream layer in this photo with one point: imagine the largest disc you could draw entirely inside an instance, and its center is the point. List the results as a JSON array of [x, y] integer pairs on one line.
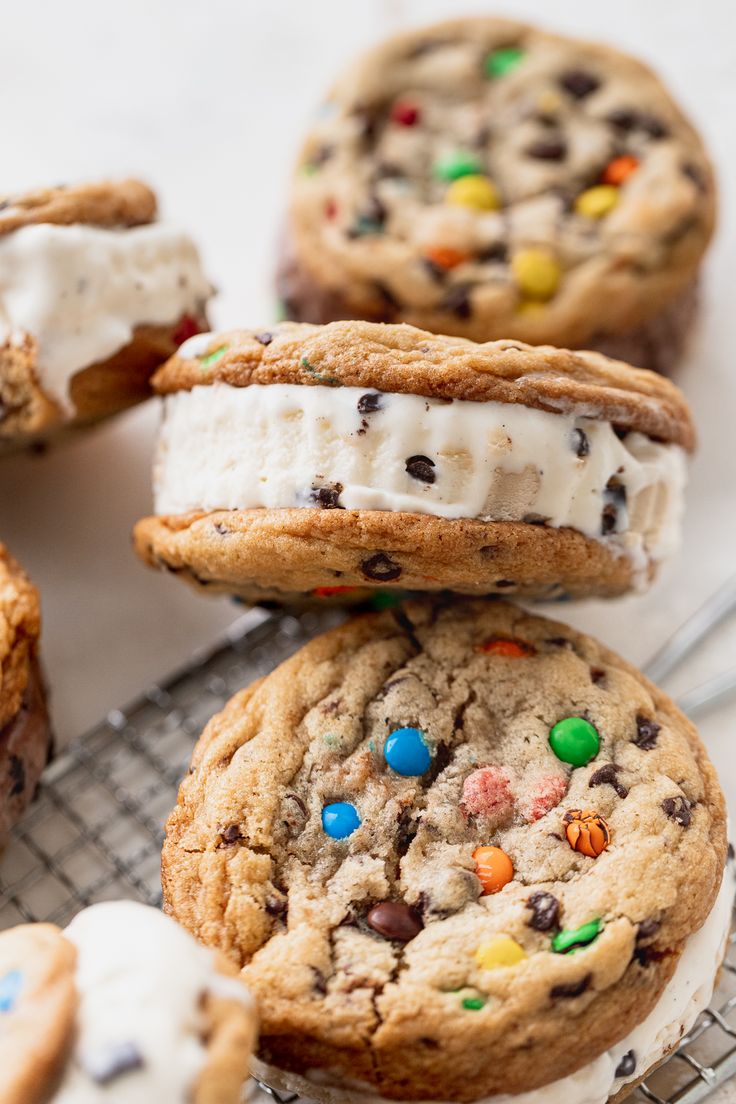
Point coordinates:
[[140, 1021], [81, 291], [683, 999], [286, 445]]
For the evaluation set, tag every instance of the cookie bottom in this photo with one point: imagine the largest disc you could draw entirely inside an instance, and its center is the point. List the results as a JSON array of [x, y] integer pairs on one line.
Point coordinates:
[[282, 555], [658, 344], [25, 749], [685, 996], [28, 417]]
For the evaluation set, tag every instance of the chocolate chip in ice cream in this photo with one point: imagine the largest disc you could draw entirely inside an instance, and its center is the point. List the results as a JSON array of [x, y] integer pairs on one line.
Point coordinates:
[[421, 468]]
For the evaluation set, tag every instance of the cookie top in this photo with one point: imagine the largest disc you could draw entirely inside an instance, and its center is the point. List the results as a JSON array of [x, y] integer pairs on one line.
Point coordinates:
[[400, 358], [487, 178], [109, 203], [20, 624], [38, 1003], [479, 840]]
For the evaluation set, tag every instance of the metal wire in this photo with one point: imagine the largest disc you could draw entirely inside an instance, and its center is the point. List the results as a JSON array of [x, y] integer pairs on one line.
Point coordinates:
[[96, 830]]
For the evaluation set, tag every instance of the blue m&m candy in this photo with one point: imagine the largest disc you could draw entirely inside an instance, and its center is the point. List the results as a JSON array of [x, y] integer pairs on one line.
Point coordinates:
[[406, 752], [340, 819], [10, 986]]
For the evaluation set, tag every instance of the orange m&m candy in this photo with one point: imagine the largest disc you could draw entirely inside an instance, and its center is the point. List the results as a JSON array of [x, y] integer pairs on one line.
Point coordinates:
[[619, 170], [493, 868], [514, 649], [587, 832], [444, 256]]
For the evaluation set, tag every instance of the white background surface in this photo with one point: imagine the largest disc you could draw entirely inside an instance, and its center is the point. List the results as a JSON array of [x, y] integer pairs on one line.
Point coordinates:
[[207, 102]]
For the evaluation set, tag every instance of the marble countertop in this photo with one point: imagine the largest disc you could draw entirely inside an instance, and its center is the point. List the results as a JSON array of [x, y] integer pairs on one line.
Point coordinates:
[[207, 102]]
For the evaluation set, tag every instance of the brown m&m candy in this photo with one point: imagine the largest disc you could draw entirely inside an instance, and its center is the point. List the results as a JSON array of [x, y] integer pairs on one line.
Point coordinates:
[[395, 920]]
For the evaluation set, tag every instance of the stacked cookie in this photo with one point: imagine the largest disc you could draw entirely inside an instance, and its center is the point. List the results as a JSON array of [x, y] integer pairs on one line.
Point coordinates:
[[459, 852], [121, 1006]]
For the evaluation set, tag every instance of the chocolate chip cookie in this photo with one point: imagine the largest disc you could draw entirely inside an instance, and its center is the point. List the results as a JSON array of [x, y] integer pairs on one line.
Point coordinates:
[[485, 178], [95, 294], [457, 851], [121, 1006], [25, 732], [336, 460]]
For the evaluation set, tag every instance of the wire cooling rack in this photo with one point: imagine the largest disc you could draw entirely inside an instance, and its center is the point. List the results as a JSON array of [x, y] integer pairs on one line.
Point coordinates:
[[96, 830]]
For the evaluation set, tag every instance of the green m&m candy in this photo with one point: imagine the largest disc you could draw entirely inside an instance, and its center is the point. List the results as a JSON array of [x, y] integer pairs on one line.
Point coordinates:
[[575, 741], [500, 62], [570, 940], [456, 165]]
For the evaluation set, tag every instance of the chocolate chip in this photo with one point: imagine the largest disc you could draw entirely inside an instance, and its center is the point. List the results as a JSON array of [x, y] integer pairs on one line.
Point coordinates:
[[319, 981], [535, 519], [615, 500], [429, 1043], [627, 1065], [730, 852], [579, 83], [498, 251], [370, 402], [327, 497], [573, 989], [580, 442], [597, 675], [367, 120], [457, 301], [607, 776], [437, 272], [503, 583], [627, 119], [264, 338], [231, 834], [108, 1062], [17, 776], [221, 529], [277, 906], [395, 920], [545, 911], [549, 149], [696, 174], [647, 929], [381, 568], [421, 468], [646, 733], [677, 809], [369, 220]]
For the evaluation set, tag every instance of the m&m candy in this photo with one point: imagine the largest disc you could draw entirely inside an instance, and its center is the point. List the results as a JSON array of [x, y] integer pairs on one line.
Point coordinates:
[[570, 940], [493, 868], [619, 170], [340, 819], [575, 741], [536, 272], [456, 165], [406, 752], [10, 987], [474, 190], [587, 832], [405, 113], [501, 646], [596, 202], [444, 256], [500, 952], [213, 357], [500, 62]]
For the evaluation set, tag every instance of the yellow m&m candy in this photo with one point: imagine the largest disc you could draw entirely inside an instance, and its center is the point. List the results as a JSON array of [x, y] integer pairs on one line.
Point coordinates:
[[536, 272], [500, 952], [474, 191], [596, 202]]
